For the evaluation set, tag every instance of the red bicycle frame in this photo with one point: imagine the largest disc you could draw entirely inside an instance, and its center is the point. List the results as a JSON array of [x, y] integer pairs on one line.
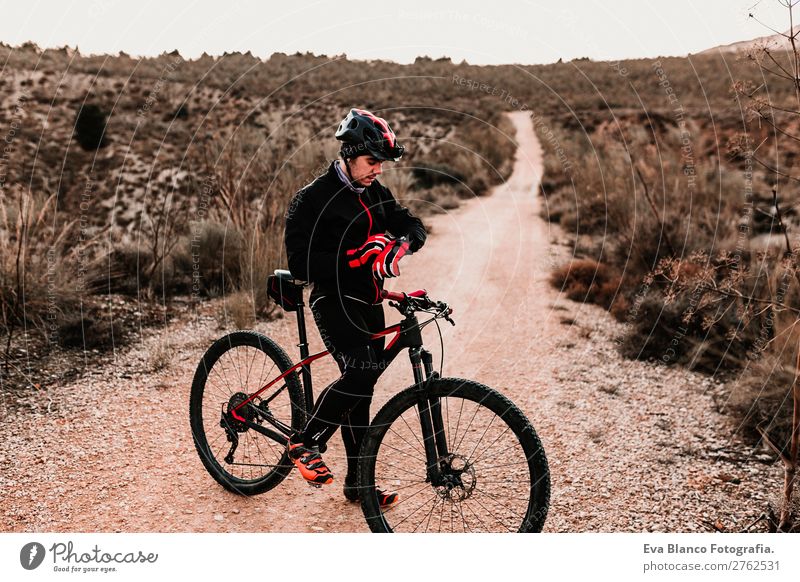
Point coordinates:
[[398, 329]]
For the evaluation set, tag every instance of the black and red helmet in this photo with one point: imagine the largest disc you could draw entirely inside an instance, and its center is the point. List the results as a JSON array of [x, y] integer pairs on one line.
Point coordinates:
[[365, 134]]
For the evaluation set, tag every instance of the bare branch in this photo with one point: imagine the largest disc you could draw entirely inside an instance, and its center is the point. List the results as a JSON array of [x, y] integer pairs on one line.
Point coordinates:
[[768, 441], [777, 64], [775, 170], [654, 209], [768, 119]]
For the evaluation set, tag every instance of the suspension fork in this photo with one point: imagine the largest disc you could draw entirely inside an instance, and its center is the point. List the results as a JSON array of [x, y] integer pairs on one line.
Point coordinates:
[[430, 413]]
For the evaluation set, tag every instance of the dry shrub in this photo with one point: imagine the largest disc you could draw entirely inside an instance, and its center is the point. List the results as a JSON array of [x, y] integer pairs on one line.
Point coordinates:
[[587, 280], [763, 397], [161, 354], [123, 270], [686, 330], [216, 249], [632, 200], [239, 307], [429, 175], [763, 394], [90, 331], [437, 200], [262, 254], [127, 269], [38, 264], [90, 127]]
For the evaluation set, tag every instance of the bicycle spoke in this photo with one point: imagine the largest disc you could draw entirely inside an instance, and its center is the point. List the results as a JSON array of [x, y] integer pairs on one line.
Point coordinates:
[[511, 529], [466, 429], [428, 515], [441, 517], [525, 462], [221, 368], [403, 505], [416, 510], [400, 451], [485, 528], [258, 447], [245, 443], [387, 464], [422, 452], [223, 396], [451, 517], [402, 417], [478, 407], [508, 428], [238, 368], [417, 492], [214, 442], [498, 502], [250, 368], [458, 422], [475, 448], [417, 478], [402, 488], [463, 520]]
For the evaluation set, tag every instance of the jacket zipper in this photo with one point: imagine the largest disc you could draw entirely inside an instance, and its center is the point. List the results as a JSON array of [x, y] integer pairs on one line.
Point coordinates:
[[369, 233]]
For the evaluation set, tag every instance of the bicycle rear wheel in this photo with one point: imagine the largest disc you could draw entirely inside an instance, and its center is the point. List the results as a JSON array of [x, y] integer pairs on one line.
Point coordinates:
[[240, 458], [498, 479]]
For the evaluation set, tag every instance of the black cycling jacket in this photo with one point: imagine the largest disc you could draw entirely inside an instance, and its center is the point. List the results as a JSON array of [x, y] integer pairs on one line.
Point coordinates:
[[326, 219]]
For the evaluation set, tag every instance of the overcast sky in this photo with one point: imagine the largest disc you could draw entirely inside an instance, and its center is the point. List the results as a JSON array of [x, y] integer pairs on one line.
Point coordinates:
[[499, 31]]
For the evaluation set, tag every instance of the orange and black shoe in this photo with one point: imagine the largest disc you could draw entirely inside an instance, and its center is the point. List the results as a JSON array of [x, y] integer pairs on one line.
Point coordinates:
[[386, 500], [310, 464]]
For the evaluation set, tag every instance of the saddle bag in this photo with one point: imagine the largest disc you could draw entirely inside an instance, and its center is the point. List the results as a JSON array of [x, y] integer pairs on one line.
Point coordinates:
[[285, 293]]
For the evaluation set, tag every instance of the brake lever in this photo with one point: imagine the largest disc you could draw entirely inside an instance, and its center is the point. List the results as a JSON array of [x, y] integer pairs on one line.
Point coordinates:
[[447, 311]]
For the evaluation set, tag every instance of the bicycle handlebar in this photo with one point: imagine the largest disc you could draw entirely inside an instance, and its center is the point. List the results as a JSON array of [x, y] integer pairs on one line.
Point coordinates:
[[418, 300]]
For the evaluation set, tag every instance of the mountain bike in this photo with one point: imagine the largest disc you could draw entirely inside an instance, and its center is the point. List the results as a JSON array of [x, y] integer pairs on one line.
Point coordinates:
[[461, 456]]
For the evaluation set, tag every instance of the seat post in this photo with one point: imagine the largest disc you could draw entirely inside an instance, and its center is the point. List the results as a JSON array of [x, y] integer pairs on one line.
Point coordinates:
[[303, 345]]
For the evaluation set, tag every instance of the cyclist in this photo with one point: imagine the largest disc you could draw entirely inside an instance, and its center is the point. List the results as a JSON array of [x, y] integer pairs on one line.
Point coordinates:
[[346, 233]]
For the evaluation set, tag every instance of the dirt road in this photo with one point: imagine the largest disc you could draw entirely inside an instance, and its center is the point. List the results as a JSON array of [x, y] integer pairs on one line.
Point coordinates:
[[632, 446]]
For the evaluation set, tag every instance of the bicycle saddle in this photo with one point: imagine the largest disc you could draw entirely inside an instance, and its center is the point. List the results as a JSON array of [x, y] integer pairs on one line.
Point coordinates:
[[286, 277]]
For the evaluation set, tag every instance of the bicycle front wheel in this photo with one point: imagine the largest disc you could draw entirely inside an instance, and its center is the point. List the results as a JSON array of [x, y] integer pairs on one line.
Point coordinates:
[[240, 458], [494, 473]]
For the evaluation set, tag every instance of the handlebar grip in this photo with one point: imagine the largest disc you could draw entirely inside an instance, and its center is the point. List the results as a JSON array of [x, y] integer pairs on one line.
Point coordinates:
[[393, 296], [400, 296]]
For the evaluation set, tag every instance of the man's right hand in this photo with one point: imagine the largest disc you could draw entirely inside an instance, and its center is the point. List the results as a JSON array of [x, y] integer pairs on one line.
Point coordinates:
[[370, 249]]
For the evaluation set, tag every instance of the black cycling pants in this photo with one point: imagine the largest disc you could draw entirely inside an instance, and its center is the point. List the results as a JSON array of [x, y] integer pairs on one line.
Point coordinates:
[[346, 326]]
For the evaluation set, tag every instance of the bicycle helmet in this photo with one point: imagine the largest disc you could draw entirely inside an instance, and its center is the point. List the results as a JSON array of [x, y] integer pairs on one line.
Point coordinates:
[[364, 133]]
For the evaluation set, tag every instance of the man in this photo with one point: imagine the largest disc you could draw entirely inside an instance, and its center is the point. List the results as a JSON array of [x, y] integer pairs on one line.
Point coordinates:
[[346, 233]]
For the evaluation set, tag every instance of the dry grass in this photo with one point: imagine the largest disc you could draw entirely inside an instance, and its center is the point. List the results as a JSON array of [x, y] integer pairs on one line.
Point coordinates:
[[160, 354], [239, 308], [37, 259]]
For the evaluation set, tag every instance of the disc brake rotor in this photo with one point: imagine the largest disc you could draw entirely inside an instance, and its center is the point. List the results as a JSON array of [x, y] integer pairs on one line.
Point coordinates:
[[459, 478]]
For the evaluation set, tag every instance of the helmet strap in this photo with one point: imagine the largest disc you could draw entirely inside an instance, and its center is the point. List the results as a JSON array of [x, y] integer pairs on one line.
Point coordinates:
[[347, 167]]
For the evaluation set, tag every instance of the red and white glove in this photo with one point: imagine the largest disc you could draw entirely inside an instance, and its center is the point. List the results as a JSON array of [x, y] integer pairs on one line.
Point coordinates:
[[369, 250], [387, 262]]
